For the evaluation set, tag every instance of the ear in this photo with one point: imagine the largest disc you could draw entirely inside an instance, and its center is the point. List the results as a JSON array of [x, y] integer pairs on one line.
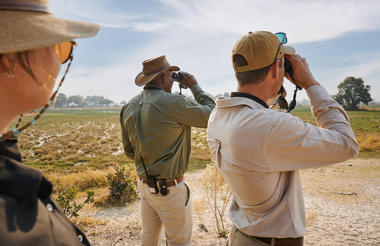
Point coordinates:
[[275, 69], [7, 63], [166, 77]]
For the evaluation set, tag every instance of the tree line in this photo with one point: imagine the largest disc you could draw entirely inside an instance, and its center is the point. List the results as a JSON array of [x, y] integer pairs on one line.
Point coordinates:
[[77, 101]]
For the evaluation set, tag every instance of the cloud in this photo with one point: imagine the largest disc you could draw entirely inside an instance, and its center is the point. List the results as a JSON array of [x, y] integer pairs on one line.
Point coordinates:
[[198, 35], [304, 21], [112, 82], [367, 70]]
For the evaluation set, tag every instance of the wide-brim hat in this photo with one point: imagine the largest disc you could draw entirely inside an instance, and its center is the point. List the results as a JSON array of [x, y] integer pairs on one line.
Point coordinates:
[[28, 24], [259, 50], [152, 68]]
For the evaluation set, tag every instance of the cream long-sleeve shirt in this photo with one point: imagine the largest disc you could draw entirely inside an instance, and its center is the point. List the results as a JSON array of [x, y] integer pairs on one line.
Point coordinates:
[[259, 152]]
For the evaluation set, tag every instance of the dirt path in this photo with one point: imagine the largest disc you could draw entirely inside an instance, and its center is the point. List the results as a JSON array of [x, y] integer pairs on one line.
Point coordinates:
[[342, 208]]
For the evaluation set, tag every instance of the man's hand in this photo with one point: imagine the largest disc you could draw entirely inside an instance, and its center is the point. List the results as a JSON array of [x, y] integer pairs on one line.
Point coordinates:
[[188, 80], [301, 72]]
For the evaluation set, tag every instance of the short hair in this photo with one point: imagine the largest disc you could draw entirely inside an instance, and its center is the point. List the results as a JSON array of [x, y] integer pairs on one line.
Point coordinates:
[[155, 81], [252, 76]]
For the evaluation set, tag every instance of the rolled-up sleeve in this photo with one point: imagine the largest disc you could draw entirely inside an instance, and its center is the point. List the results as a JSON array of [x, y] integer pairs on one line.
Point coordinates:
[[188, 112], [293, 144], [128, 149]]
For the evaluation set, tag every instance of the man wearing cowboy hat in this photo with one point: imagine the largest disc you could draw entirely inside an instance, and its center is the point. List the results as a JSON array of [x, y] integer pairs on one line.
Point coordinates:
[[259, 150], [156, 133]]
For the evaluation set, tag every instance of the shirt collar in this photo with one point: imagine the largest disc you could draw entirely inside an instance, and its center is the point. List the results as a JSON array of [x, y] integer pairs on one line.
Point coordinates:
[[250, 96], [151, 87], [17, 180]]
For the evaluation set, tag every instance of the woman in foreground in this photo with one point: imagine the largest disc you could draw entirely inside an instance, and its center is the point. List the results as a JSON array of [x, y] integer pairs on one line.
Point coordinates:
[[33, 46]]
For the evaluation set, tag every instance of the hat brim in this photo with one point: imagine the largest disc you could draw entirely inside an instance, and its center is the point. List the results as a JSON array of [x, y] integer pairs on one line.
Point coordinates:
[[23, 30], [143, 79], [286, 49]]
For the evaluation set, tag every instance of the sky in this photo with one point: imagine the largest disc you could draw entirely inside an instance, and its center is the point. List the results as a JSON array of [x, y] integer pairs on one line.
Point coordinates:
[[339, 38]]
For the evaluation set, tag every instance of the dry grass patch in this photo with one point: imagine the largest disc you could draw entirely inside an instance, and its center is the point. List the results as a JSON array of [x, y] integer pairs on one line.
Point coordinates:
[[83, 180], [369, 142], [102, 201], [86, 221]]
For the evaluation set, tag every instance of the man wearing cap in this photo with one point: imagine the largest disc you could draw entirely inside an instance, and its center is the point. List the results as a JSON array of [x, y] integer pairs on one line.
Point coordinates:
[[259, 150], [156, 132]]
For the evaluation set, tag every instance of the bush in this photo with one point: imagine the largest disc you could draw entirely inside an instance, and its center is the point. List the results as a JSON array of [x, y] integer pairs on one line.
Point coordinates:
[[66, 199], [218, 196], [122, 186]]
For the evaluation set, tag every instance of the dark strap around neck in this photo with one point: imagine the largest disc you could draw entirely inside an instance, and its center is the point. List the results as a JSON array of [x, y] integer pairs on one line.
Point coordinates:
[[24, 6], [151, 87], [250, 96]]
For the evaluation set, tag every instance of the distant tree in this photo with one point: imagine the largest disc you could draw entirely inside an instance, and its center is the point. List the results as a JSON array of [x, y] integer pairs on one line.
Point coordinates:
[[94, 101], [106, 102], [77, 100], [61, 101], [123, 102], [352, 92]]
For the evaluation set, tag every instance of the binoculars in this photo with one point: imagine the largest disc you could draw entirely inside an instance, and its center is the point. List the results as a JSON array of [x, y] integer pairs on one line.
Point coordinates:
[[179, 78]]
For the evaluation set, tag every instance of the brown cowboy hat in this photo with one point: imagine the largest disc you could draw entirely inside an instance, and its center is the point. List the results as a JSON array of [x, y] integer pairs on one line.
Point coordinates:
[[28, 24], [152, 68]]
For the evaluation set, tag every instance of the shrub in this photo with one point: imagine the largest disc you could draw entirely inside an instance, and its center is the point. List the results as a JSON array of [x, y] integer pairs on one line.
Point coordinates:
[[218, 195], [122, 186], [66, 199]]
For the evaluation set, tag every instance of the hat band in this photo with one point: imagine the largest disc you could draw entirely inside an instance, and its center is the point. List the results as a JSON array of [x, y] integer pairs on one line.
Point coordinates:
[[158, 71], [23, 6]]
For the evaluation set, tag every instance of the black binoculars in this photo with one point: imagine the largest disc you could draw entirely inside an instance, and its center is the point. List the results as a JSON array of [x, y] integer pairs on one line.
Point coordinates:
[[179, 78]]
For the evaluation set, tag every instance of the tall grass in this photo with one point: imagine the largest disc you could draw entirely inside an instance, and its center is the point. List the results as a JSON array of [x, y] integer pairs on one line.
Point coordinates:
[[83, 180]]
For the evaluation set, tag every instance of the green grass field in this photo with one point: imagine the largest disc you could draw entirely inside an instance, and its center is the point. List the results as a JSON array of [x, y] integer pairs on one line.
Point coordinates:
[[366, 126], [68, 143]]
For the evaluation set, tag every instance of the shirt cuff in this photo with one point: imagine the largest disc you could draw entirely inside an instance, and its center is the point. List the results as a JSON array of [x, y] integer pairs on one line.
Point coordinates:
[[317, 93], [321, 101], [196, 89]]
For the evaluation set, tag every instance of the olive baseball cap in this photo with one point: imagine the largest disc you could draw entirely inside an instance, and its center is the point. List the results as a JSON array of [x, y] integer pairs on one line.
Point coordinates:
[[259, 50]]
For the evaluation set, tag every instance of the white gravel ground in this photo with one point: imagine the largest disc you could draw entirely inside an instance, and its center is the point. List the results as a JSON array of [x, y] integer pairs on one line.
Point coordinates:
[[342, 208]]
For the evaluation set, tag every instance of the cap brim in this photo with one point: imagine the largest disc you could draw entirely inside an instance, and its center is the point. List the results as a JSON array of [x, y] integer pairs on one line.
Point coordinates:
[[286, 49], [143, 79], [21, 30]]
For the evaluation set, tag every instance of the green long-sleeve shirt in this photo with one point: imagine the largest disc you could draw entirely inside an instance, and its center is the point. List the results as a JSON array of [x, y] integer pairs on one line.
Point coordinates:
[[156, 126]]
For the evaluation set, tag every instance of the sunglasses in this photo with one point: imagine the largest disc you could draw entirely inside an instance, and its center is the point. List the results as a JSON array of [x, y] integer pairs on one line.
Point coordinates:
[[283, 40], [64, 50]]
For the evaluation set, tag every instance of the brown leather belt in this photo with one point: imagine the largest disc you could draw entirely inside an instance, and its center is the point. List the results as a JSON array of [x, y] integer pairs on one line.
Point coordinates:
[[168, 182], [278, 241]]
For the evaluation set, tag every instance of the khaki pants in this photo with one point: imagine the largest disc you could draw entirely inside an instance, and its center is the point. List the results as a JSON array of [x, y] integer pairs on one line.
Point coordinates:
[[170, 211]]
